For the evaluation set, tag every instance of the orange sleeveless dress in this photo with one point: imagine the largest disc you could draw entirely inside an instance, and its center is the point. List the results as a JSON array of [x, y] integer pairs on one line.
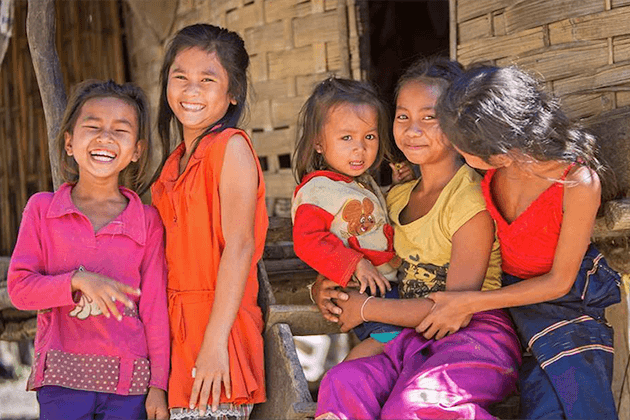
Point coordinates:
[[189, 205]]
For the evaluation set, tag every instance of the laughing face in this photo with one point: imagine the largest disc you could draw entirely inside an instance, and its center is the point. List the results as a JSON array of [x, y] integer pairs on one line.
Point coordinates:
[[197, 90], [104, 139], [349, 142]]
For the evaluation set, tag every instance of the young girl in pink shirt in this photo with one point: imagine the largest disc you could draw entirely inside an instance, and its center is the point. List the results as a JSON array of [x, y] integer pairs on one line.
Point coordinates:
[[90, 259]]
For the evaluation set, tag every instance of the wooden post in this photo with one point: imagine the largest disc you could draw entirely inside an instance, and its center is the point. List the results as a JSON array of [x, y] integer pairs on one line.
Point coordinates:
[[40, 30]]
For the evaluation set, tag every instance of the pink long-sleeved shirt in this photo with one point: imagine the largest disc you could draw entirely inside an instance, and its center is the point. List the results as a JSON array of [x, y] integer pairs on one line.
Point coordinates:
[[76, 346]]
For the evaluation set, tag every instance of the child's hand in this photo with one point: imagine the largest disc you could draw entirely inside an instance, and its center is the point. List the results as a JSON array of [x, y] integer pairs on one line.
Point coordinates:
[[367, 275], [350, 315], [104, 291], [156, 406], [323, 291], [448, 315], [211, 369], [401, 172]]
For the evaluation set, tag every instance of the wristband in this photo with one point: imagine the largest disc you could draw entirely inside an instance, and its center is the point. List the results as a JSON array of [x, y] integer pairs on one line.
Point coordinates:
[[310, 292], [363, 307]]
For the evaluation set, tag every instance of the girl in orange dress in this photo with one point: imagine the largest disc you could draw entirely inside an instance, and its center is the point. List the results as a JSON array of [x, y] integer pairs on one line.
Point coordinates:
[[211, 198]]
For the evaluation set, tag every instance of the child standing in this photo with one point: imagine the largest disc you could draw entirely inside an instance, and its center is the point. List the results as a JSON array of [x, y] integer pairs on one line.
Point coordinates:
[[543, 191], [102, 328], [340, 223], [211, 198]]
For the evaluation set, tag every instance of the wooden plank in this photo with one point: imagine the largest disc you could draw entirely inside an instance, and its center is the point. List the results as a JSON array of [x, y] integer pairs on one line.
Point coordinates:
[[606, 24], [598, 79], [468, 9], [475, 28], [302, 319], [622, 99], [494, 48], [270, 89], [552, 62], [498, 24], [298, 61], [284, 111], [533, 13], [322, 27], [619, 3]]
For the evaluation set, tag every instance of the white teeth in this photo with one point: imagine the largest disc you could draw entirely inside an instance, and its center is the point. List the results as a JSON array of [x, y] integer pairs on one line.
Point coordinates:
[[192, 107], [103, 155]]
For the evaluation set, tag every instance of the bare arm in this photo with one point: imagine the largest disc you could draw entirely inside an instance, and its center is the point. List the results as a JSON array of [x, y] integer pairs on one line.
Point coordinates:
[[467, 271], [581, 202], [238, 187]]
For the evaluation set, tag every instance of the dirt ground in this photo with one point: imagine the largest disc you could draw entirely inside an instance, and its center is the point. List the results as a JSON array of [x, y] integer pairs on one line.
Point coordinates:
[[15, 402]]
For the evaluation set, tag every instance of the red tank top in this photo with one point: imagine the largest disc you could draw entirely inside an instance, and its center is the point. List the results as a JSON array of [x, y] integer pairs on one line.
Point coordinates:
[[528, 244]]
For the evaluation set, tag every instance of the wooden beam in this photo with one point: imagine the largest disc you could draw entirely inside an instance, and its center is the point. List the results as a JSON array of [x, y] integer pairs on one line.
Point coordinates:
[[40, 30]]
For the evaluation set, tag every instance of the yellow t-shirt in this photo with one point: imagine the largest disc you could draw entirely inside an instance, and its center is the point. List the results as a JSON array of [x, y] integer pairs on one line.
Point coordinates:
[[425, 244]]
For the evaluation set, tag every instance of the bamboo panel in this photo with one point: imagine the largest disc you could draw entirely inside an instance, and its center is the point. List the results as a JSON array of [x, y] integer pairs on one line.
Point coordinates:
[[499, 47], [316, 29], [270, 89], [467, 10], [621, 49], [240, 18], [603, 78], [529, 14], [279, 184], [260, 117], [284, 111], [269, 142], [475, 28], [298, 61], [601, 25], [265, 38], [285, 9], [498, 24], [587, 105], [551, 63], [306, 84], [619, 3], [259, 68], [622, 98]]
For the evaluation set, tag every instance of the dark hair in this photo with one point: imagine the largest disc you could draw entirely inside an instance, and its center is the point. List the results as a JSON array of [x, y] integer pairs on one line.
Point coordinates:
[[133, 176], [495, 110], [327, 95], [433, 71], [230, 50]]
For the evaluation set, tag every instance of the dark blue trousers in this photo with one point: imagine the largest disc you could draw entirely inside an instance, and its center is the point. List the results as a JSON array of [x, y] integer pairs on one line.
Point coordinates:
[[59, 403], [570, 374]]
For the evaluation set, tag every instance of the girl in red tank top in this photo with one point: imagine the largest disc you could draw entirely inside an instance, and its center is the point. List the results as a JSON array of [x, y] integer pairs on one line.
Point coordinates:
[[543, 190]]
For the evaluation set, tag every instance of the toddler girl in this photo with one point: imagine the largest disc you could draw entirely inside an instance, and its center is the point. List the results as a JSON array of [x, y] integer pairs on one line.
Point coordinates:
[[211, 197], [90, 259], [543, 191], [340, 223]]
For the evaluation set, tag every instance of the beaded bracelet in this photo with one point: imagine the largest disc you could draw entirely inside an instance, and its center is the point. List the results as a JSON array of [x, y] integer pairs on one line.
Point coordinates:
[[363, 306]]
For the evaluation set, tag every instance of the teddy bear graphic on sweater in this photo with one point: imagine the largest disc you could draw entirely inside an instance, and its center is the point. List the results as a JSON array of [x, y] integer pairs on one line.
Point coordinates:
[[85, 307], [359, 216]]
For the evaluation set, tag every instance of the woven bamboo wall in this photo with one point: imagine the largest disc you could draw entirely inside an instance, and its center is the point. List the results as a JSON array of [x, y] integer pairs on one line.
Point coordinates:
[[581, 48], [90, 45], [582, 51], [292, 43]]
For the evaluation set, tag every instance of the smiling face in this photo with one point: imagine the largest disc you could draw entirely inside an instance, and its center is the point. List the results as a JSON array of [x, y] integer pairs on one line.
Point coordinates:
[[416, 129], [197, 90], [349, 142], [104, 139]]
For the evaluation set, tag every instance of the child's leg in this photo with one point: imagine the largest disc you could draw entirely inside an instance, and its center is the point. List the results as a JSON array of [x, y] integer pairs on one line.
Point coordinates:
[[366, 348], [56, 402], [120, 407], [459, 376]]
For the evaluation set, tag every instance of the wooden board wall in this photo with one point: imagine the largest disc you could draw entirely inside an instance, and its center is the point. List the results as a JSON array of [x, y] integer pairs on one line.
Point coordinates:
[[89, 42]]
